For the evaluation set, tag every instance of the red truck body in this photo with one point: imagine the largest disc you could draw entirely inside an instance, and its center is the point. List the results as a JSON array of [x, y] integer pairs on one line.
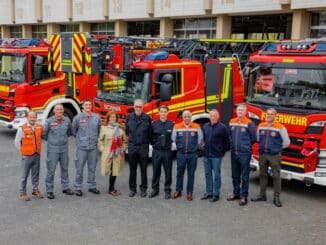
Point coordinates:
[[291, 77]]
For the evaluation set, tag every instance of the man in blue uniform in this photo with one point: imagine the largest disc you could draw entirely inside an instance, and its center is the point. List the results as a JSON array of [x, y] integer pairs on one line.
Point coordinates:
[[86, 127], [56, 131], [272, 138], [162, 154], [187, 137], [243, 136]]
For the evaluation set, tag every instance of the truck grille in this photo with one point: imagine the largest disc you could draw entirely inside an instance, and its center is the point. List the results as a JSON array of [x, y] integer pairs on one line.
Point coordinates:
[[296, 141], [322, 160], [292, 153]]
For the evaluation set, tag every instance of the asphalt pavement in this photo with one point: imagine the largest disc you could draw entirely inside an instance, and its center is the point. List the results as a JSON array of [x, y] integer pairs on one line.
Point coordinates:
[[104, 219]]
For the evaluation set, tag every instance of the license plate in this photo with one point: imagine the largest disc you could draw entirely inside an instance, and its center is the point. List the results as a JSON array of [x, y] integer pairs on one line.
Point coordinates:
[[3, 124], [286, 176]]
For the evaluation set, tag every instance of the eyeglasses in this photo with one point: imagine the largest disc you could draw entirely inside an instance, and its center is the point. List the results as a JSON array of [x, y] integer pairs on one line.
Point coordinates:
[[271, 114], [138, 106]]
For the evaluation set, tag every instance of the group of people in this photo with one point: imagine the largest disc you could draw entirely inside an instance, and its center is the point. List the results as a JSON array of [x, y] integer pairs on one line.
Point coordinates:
[[112, 139]]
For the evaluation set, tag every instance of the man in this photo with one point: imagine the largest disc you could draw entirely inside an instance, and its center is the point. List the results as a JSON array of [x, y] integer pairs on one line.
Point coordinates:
[[138, 130], [243, 136], [57, 130], [28, 142], [187, 136], [217, 142], [272, 138], [86, 127], [162, 154]]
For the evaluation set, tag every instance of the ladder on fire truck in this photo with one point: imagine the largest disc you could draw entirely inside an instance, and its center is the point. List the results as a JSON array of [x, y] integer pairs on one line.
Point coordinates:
[[201, 49]]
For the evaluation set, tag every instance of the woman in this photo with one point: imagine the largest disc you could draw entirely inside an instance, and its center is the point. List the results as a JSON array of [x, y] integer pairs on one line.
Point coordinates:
[[111, 144]]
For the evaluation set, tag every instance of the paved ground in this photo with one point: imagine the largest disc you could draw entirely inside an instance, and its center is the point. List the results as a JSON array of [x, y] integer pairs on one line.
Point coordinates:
[[104, 219]]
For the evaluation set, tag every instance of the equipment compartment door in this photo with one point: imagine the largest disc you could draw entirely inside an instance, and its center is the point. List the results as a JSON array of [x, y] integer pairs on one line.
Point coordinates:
[[219, 90]]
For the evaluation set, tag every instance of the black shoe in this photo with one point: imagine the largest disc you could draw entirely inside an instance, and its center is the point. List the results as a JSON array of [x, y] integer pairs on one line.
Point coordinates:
[[94, 190], [259, 198], [167, 196], [233, 197], [50, 195], [143, 194], [243, 201], [78, 193], [132, 194], [206, 196], [277, 202], [68, 191], [215, 199], [153, 194]]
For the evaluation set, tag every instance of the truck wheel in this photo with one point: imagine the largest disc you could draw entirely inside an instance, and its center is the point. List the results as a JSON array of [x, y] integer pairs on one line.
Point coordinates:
[[68, 113]]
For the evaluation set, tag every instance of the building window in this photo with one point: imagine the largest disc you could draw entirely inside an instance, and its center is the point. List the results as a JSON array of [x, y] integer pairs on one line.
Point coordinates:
[[16, 31], [69, 28], [269, 27], [144, 28], [103, 28], [195, 28], [318, 25], [39, 31]]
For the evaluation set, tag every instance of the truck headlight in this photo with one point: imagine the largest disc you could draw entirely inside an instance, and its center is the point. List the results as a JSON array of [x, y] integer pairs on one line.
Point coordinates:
[[21, 113]]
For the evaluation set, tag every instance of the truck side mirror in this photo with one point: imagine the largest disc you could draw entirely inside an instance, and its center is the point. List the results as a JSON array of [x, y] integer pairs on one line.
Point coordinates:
[[166, 87], [165, 91], [37, 70], [37, 73]]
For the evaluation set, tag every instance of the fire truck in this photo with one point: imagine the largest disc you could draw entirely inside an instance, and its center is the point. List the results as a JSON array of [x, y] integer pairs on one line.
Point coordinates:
[[291, 77], [35, 75], [196, 75]]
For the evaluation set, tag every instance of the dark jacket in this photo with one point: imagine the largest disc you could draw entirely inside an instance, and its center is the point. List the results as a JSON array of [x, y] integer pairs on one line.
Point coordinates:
[[138, 130], [161, 134], [216, 139]]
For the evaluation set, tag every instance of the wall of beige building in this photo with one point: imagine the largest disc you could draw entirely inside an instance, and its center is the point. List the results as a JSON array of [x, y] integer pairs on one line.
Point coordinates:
[[32, 12]]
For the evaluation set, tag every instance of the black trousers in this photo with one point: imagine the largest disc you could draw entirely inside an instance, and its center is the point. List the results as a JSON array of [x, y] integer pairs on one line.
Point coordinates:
[[135, 157], [159, 158]]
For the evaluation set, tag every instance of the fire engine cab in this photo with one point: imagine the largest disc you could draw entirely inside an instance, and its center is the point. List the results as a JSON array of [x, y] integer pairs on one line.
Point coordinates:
[[35, 75], [291, 77], [196, 75]]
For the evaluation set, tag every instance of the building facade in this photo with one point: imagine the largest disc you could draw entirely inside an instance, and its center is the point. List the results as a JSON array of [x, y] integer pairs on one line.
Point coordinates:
[[250, 19]]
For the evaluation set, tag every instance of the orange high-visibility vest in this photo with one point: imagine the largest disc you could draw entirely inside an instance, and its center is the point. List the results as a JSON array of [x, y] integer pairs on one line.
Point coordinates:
[[31, 141]]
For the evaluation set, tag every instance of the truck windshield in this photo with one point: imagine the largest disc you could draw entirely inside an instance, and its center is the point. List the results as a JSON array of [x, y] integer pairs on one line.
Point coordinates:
[[12, 68], [125, 87], [288, 87]]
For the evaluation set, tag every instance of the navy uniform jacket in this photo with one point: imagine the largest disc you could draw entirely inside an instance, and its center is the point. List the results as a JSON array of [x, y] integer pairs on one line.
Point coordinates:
[[161, 134], [138, 130]]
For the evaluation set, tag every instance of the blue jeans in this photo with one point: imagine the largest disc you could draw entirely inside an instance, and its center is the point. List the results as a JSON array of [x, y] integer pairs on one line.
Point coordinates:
[[91, 157], [213, 165], [240, 166], [52, 160], [184, 161]]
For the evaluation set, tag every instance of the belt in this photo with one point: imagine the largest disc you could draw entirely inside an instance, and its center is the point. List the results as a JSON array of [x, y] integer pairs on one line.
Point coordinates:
[[162, 149]]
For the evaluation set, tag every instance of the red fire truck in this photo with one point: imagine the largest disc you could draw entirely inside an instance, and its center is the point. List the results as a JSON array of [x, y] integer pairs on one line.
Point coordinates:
[[35, 75], [186, 74], [291, 77]]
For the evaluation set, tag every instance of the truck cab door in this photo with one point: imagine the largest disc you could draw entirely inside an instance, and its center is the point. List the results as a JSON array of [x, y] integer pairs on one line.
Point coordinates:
[[219, 88]]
